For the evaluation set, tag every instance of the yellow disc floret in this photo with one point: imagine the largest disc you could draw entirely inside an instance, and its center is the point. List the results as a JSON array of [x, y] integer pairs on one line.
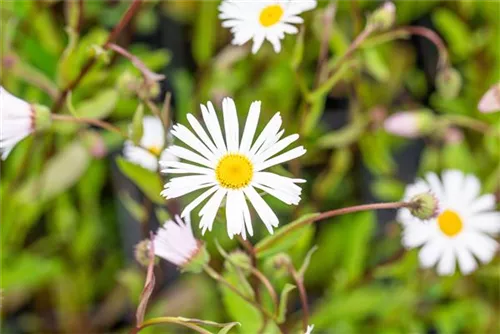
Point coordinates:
[[234, 171], [450, 223], [270, 15], [155, 150]]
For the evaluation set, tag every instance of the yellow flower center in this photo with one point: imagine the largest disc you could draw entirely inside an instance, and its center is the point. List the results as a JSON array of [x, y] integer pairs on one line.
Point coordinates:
[[234, 171], [450, 223], [155, 150], [270, 15]]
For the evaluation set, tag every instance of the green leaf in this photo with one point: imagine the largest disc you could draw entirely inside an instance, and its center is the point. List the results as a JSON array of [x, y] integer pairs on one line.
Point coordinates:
[[135, 209], [284, 301], [298, 51], [137, 129], [345, 136], [307, 260], [388, 189], [100, 106], [456, 32], [205, 32], [228, 327], [183, 84], [149, 182], [284, 238], [57, 176]]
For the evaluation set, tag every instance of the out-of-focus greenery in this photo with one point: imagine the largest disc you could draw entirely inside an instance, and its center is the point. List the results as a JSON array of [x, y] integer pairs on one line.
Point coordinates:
[[64, 264]]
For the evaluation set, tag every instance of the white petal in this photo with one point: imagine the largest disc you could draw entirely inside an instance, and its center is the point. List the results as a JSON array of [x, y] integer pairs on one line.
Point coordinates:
[[481, 246], [209, 211], [483, 203], [453, 182], [258, 39], [185, 135], [213, 126], [430, 252], [265, 213], [466, 262], [231, 125], [270, 130], [191, 206], [186, 154], [446, 266], [202, 134], [177, 167], [488, 222], [471, 188], [435, 185], [290, 155], [250, 126], [278, 147]]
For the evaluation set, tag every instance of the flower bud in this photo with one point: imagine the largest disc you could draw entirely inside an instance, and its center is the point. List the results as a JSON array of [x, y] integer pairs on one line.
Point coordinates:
[[141, 252], [490, 102], [410, 124], [424, 206], [41, 116], [448, 83], [241, 260], [383, 17]]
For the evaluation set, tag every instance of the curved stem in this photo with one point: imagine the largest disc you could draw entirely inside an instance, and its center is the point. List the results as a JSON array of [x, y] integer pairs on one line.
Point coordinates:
[[303, 296], [337, 212], [96, 122], [466, 122]]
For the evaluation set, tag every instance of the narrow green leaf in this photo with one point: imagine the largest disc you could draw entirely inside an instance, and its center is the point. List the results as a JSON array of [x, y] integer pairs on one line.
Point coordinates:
[[100, 106], [137, 129], [135, 209], [298, 51], [205, 32], [228, 327], [307, 260], [284, 301], [148, 181]]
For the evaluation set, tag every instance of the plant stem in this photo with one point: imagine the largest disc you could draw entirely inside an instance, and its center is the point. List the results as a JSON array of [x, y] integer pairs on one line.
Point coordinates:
[[303, 295], [96, 122], [134, 7], [466, 122], [337, 212]]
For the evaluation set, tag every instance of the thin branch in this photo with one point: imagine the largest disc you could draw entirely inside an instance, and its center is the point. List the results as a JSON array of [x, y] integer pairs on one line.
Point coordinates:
[[303, 295], [92, 121]]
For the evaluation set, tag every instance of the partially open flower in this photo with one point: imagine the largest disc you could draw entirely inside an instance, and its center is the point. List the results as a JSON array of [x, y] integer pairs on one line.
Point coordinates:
[[141, 252], [151, 147], [463, 229], [176, 243], [490, 102], [409, 124], [19, 119]]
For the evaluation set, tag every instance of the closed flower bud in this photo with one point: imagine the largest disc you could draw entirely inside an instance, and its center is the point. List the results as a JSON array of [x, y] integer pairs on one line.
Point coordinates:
[[424, 206], [383, 17], [19, 119], [490, 102], [448, 83], [241, 260], [410, 124], [141, 252], [175, 243]]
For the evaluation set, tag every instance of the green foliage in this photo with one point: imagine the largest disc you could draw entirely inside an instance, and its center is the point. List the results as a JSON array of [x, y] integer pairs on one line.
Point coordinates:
[[149, 182]]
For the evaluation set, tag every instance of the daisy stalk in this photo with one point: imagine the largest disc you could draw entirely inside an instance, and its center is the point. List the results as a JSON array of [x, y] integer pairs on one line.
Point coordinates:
[[337, 212]]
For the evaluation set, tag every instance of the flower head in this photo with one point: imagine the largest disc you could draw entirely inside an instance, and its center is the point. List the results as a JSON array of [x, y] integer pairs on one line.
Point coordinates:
[[18, 119], [462, 228], [232, 168], [490, 102], [409, 124], [176, 243], [260, 20], [151, 147], [383, 17]]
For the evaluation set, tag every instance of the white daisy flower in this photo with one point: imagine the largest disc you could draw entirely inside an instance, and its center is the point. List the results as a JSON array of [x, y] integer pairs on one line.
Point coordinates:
[[259, 20], [175, 242], [309, 329], [18, 119], [151, 147], [232, 168], [463, 226]]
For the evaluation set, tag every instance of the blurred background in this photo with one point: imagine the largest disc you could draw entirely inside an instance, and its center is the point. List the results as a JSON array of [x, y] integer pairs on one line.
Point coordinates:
[[71, 217]]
